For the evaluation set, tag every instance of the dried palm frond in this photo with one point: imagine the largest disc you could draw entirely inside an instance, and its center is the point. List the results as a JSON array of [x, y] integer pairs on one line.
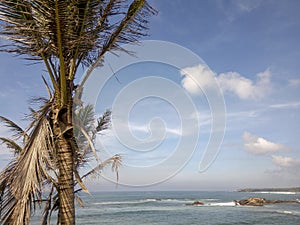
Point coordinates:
[[115, 162], [23, 179], [11, 144], [79, 200], [47, 209], [18, 132]]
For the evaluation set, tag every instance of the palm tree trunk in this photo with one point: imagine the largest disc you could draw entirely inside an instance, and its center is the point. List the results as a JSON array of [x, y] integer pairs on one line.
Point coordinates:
[[63, 131], [66, 214]]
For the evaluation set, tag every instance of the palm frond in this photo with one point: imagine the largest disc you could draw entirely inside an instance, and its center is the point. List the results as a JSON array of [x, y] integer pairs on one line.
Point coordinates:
[[127, 30], [88, 140], [84, 116], [80, 182], [88, 29], [7, 199], [22, 23], [46, 212], [17, 130], [115, 162], [47, 87], [84, 127], [11, 144], [79, 200], [85, 131], [24, 178], [104, 122], [131, 27]]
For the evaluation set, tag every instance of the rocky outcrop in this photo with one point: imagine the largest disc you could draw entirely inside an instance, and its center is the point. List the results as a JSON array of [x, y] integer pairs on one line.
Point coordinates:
[[251, 201], [281, 201], [261, 201], [195, 203]]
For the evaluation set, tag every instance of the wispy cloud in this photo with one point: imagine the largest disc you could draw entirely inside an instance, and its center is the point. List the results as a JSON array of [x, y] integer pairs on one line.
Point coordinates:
[[243, 114], [285, 162], [247, 5], [233, 9], [286, 105], [294, 82], [134, 127], [259, 145]]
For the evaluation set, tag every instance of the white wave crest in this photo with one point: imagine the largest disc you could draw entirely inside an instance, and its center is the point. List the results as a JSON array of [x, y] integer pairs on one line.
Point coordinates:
[[127, 202], [278, 192], [222, 204]]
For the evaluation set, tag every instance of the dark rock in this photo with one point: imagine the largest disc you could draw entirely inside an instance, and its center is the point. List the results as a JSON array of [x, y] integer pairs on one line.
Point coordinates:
[[281, 201], [251, 201], [261, 201], [195, 203]]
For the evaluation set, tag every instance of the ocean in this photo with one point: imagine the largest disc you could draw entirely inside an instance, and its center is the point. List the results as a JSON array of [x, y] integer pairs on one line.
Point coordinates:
[[164, 208]]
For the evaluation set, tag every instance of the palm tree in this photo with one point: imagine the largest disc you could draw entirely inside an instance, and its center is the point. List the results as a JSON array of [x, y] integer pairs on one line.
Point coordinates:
[[63, 35], [85, 132]]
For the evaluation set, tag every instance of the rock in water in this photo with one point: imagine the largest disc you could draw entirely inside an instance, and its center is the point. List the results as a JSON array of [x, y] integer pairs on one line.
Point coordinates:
[[251, 201], [195, 203], [261, 201]]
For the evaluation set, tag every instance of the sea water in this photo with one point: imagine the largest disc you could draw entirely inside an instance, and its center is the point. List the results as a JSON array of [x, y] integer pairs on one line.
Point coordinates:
[[162, 208]]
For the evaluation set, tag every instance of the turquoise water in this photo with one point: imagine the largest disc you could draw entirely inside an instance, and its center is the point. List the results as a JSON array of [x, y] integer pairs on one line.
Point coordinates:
[[162, 208]]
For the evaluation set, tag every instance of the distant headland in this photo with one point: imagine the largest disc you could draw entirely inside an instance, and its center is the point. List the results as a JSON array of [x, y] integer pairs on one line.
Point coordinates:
[[293, 189]]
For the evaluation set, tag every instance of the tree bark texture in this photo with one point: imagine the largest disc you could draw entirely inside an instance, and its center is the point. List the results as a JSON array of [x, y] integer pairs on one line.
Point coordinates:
[[63, 131]]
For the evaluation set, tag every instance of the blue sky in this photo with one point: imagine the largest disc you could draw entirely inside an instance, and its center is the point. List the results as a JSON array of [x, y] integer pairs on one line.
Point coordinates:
[[252, 50]]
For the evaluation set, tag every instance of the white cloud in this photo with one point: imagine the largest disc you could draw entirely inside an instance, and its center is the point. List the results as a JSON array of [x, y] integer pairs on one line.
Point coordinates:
[[245, 88], [200, 77], [286, 162], [294, 82], [259, 145], [200, 74]]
